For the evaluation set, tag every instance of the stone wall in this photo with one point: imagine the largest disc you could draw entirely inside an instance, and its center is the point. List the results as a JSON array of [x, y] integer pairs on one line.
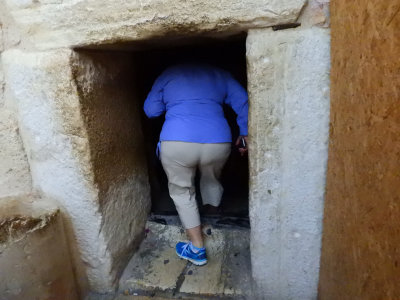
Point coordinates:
[[111, 113], [61, 98], [14, 169], [55, 145], [86, 164]]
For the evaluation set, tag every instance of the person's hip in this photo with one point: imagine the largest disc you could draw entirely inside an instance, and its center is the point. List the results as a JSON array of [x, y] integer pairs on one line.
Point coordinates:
[[192, 154]]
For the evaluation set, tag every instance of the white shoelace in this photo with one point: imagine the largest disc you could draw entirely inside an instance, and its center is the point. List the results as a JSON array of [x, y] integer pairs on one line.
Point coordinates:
[[185, 248]]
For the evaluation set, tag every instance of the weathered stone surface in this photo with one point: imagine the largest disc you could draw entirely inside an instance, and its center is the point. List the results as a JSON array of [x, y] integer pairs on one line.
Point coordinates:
[[2, 85], [155, 265], [112, 119], [105, 218], [228, 271], [57, 146], [56, 23], [9, 32], [1, 37], [14, 169], [157, 268], [34, 259], [315, 13], [208, 280], [77, 159], [288, 73], [15, 176]]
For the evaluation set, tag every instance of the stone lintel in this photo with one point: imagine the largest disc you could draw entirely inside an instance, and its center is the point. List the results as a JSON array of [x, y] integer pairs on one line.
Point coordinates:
[[71, 23]]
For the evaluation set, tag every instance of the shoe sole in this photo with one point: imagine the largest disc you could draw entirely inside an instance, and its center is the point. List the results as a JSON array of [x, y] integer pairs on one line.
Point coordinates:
[[195, 262]]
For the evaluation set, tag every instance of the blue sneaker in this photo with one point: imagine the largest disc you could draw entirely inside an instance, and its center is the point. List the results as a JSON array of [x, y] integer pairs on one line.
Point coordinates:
[[184, 250]]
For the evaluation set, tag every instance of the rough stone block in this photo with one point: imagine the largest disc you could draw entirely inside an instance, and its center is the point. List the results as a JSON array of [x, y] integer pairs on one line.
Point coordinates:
[[156, 267], [112, 119], [34, 257], [2, 85], [1, 37], [15, 176], [105, 216], [316, 13], [288, 73], [81, 23]]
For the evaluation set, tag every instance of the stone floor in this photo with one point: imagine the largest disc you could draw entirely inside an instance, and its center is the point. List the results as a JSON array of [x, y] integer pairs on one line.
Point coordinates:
[[155, 271]]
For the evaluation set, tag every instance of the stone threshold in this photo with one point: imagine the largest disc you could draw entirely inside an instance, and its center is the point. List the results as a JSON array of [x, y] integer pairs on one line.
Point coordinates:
[[155, 271]]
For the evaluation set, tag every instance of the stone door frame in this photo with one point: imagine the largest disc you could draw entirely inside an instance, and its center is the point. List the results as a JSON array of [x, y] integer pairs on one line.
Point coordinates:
[[288, 87]]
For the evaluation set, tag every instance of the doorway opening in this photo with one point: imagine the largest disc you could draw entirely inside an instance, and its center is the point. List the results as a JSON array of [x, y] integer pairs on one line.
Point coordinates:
[[228, 54], [112, 84]]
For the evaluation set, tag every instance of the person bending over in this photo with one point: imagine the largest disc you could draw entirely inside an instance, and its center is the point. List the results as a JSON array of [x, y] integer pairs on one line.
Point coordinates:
[[195, 134]]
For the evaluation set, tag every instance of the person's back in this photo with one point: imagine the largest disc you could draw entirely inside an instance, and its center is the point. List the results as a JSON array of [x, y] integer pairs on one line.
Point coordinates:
[[193, 96], [195, 135]]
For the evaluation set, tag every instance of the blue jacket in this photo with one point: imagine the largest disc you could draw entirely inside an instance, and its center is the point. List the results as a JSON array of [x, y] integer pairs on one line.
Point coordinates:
[[192, 96]]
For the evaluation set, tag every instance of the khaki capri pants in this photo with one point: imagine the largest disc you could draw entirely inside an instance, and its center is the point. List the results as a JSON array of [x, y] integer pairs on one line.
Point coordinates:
[[180, 161]]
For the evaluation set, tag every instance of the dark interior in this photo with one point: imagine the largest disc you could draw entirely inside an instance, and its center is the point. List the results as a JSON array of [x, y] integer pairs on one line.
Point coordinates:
[[229, 54]]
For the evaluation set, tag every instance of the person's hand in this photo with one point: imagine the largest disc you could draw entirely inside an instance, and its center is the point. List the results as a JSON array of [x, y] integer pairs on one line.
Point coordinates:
[[242, 151]]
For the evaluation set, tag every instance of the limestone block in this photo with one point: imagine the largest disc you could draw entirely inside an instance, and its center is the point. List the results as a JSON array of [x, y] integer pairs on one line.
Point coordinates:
[[15, 176], [1, 37], [9, 32], [2, 84], [156, 267], [14, 168], [288, 74], [34, 257], [111, 113], [103, 216], [50, 24], [316, 13], [22, 4]]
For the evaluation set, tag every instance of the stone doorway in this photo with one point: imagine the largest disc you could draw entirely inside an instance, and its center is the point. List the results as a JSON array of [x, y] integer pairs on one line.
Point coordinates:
[[228, 53], [61, 94], [112, 83]]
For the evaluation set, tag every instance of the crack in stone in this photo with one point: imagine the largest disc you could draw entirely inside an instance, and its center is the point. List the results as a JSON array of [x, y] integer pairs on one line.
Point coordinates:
[[181, 279]]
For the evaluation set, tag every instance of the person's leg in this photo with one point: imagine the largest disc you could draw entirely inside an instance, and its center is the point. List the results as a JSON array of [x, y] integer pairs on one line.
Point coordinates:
[[179, 161], [212, 160], [195, 236]]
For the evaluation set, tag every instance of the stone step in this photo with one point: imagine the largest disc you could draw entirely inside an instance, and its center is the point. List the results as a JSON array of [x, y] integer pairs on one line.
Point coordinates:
[[156, 271]]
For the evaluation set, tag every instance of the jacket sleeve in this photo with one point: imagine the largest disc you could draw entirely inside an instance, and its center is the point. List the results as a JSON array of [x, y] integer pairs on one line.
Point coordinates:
[[236, 97], [154, 105]]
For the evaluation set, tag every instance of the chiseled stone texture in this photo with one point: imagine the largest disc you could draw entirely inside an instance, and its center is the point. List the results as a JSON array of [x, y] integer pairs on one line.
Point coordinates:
[[57, 23], [2, 82], [15, 175], [315, 13], [34, 259], [57, 140], [113, 123], [155, 267], [288, 73]]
